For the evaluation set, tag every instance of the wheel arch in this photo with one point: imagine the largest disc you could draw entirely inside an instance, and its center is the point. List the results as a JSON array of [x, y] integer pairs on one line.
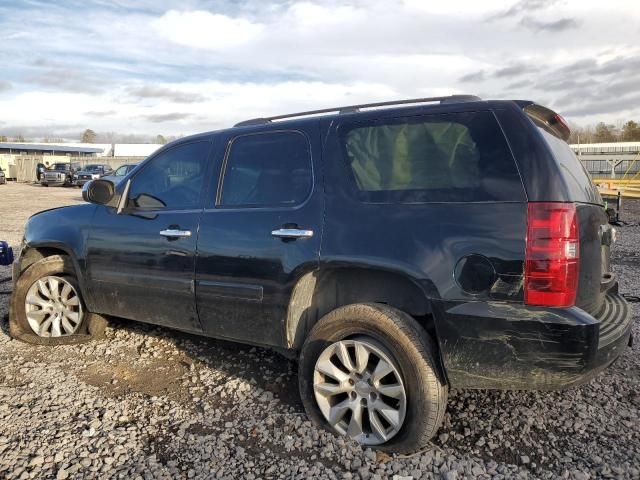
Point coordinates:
[[319, 292], [33, 253]]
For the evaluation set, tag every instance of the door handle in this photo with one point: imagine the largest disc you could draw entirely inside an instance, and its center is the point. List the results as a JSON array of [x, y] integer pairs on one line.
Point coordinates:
[[172, 232], [292, 233]]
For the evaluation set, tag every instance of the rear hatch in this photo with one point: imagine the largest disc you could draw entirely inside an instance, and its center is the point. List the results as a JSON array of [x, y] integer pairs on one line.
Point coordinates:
[[595, 278]]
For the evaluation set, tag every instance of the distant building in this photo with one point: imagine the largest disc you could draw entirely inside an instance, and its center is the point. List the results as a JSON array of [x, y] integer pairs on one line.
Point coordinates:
[[132, 149], [19, 160], [8, 148], [81, 149], [606, 148], [120, 149]]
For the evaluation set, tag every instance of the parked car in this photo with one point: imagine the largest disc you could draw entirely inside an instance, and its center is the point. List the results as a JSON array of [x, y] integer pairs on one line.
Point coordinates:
[[59, 174], [396, 252], [115, 176], [120, 172], [3, 177], [90, 172]]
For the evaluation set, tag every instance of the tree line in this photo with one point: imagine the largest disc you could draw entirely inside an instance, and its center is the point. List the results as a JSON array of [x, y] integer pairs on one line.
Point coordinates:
[[606, 133], [90, 136]]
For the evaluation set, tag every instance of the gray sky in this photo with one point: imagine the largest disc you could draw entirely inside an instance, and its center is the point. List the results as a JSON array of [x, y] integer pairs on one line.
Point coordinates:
[[154, 66]]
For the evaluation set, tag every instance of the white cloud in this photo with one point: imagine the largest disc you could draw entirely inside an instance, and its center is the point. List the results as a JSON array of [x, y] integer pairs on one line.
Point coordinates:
[[227, 103], [457, 7], [182, 68], [202, 29], [312, 15]]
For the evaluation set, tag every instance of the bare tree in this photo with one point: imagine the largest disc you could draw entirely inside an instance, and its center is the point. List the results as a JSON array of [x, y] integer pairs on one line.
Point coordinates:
[[89, 136], [605, 133], [630, 132]]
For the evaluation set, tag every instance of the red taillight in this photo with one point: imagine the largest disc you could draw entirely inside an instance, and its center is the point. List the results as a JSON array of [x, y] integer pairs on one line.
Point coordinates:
[[560, 119], [552, 255]]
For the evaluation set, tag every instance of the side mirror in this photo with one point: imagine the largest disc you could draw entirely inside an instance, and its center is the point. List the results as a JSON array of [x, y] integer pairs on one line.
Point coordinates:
[[99, 191]]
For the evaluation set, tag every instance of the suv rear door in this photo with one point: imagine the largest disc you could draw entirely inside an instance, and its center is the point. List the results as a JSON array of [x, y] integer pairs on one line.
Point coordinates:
[[260, 232]]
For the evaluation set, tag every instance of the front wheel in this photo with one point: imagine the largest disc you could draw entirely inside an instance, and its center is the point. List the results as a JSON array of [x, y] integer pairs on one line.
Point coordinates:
[[47, 306], [368, 371]]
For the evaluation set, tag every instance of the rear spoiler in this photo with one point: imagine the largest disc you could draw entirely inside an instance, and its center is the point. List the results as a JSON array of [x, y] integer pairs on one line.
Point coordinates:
[[546, 118]]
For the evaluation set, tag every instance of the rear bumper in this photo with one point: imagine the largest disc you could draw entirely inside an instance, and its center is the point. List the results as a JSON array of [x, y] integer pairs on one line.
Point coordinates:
[[514, 346]]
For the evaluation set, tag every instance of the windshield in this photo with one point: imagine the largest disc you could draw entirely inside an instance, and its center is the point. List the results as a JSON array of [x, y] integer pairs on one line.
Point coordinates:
[[59, 166], [92, 168]]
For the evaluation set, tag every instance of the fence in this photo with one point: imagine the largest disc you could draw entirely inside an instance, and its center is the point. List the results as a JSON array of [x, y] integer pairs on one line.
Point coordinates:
[[609, 160], [25, 167], [603, 168]]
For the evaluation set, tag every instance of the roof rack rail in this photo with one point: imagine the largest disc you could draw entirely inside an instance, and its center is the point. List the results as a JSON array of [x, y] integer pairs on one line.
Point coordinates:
[[356, 108]]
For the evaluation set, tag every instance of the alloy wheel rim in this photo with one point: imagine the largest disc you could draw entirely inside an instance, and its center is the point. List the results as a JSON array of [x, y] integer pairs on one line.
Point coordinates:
[[53, 307], [359, 390]]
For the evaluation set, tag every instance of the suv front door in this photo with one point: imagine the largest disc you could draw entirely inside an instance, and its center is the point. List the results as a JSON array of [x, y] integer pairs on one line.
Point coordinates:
[[140, 262], [259, 234]]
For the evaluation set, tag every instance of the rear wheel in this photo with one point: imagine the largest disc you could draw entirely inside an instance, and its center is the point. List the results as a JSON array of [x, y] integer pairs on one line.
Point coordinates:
[[47, 306], [367, 371], [360, 391]]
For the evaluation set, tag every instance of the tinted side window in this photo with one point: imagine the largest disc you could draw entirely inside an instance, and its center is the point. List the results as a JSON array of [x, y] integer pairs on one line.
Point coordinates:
[[435, 158], [267, 169], [171, 180]]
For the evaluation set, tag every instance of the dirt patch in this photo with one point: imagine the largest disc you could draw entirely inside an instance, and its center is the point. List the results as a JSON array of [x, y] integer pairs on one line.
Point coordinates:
[[20, 201], [154, 378]]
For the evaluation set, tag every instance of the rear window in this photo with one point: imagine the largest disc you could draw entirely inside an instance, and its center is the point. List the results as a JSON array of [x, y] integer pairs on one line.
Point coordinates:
[[434, 158], [572, 169]]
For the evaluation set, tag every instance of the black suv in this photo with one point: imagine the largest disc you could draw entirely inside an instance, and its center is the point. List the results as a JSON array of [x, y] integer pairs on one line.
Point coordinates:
[[397, 252]]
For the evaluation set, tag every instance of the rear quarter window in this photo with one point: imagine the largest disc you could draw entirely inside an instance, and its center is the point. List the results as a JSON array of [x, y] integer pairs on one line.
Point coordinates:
[[460, 157], [572, 170]]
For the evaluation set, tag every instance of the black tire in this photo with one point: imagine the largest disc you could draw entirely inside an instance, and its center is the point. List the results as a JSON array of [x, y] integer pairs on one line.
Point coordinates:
[[409, 345], [93, 325], [45, 184]]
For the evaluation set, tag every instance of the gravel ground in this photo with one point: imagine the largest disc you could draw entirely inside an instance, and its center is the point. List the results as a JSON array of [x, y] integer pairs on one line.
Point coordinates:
[[148, 402]]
